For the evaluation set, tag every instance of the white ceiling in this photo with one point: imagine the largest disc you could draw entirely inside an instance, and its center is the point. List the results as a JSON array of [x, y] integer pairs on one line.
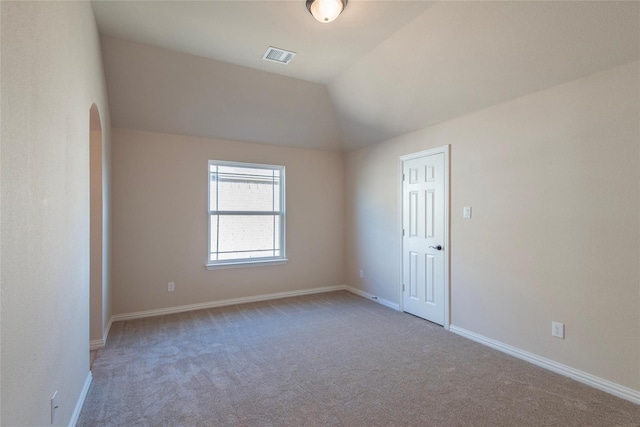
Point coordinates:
[[383, 68], [239, 32], [160, 90], [460, 57]]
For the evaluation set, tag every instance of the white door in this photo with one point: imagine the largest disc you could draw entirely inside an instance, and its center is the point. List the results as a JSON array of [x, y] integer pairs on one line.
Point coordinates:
[[423, 241]]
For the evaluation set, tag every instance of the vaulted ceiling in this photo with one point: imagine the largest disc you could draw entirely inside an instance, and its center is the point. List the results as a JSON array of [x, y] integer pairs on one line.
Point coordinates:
[[382, 69]]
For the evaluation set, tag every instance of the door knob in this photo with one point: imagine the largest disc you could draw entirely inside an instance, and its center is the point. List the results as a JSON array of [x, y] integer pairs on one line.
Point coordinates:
[[437, 248]]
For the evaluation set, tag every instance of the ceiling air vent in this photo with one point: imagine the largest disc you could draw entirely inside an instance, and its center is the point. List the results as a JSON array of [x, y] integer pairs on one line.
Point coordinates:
[[280, 56]]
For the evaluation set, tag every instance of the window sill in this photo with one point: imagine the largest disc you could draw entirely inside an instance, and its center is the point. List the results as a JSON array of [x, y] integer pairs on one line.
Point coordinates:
[[246, 264]]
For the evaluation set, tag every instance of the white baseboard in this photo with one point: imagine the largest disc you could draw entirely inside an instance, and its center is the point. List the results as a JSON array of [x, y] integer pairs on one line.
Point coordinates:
[[99, 343], [580, 376], [81, 399], [222, 303], [372, 297]]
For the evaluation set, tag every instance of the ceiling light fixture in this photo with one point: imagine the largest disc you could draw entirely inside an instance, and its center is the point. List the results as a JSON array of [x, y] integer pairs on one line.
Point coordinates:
[[326, 11]]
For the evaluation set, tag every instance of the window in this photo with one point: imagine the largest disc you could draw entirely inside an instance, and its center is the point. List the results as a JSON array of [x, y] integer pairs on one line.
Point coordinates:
[[246, 214]]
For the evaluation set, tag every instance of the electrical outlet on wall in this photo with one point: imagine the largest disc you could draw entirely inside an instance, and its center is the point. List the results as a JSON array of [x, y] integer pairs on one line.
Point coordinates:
[[362, 274], [171, 287], [557, 329]]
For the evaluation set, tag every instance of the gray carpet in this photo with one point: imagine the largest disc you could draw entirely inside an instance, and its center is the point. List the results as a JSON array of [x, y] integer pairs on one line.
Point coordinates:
[[331, 359]]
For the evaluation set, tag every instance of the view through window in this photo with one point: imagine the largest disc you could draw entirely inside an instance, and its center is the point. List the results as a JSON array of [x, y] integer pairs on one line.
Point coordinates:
[[246, 213]]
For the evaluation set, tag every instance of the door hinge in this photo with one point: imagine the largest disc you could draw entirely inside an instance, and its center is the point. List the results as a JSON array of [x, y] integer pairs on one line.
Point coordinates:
[[403, 232], [403, 287], [403, 177]]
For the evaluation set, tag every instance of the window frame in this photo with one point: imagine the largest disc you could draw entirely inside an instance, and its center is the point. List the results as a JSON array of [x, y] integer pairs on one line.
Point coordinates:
[[281, 214]]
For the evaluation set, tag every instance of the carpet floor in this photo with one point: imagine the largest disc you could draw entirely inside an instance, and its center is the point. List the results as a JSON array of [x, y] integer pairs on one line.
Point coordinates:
[[332, 359]]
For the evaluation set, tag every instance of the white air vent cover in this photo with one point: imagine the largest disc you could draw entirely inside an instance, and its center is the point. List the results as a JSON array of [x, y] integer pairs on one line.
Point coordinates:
[[278, 55]]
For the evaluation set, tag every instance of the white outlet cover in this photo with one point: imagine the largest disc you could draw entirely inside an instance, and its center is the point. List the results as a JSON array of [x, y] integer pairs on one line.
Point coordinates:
[[557, 329], [466, 212]]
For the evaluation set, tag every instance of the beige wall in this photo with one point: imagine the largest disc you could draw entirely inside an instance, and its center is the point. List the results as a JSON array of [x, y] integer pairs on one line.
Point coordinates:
[[51, 75], [160, 221], [553, 179]]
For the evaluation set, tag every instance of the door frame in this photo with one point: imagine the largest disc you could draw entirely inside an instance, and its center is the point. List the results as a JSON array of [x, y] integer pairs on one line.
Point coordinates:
[[445, 149]]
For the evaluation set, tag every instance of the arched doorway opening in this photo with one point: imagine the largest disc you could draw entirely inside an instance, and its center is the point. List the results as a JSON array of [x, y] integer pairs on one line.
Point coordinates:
[[97, 269]]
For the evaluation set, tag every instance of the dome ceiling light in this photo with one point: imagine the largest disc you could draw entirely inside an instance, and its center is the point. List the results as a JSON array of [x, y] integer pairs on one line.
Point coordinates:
[[326, 11]]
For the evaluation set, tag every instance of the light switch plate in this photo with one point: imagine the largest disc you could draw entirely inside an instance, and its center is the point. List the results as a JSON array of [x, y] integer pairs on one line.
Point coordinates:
[[466, 212]]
